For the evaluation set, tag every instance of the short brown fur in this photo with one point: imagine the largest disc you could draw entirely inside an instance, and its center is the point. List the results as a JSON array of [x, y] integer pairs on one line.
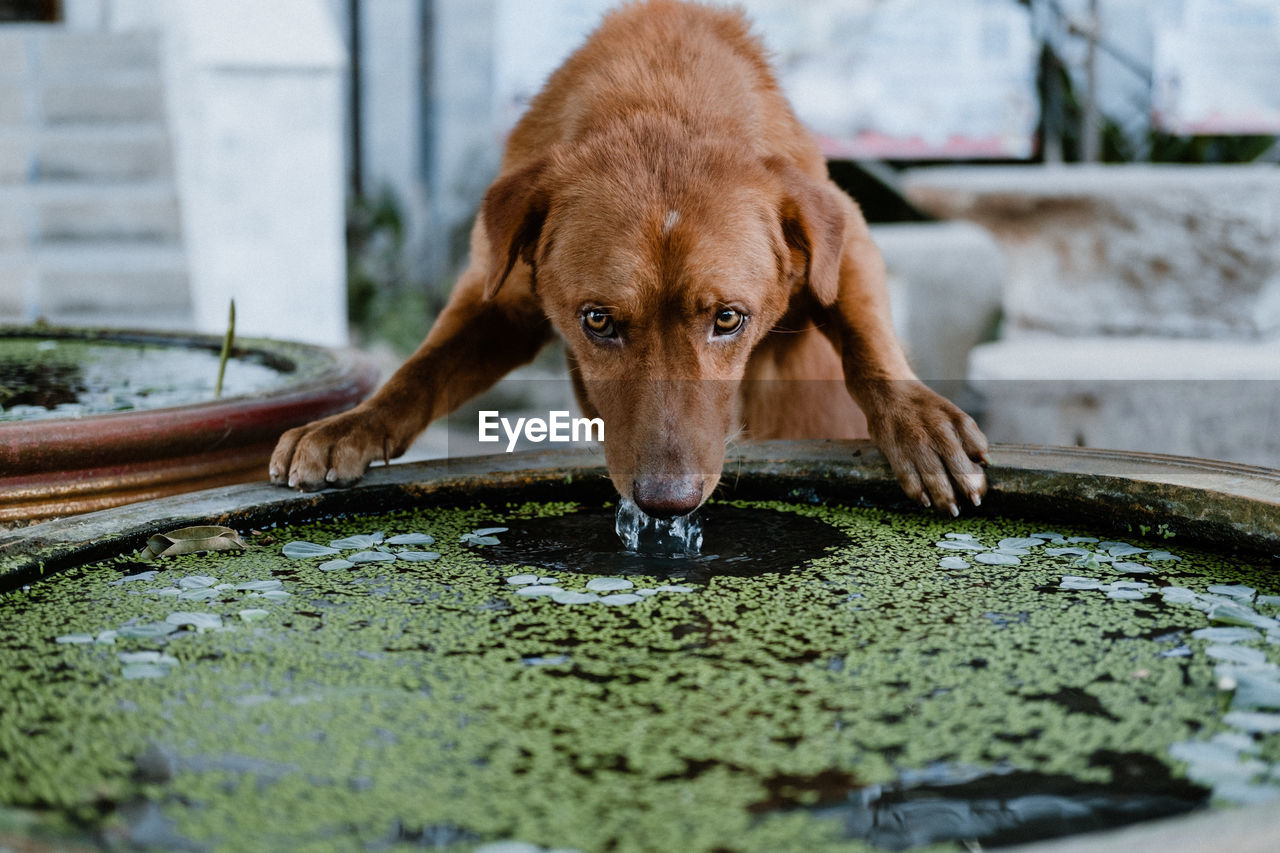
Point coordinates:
[[659, 181]]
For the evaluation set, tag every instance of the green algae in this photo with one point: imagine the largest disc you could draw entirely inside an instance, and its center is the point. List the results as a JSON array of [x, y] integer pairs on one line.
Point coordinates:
[[384, 703]]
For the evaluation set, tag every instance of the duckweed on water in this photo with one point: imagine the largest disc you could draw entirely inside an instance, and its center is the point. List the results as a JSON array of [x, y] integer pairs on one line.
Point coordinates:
[[401, 703]]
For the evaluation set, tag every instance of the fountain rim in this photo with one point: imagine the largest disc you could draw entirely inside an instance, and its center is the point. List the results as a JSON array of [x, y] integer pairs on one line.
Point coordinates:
[[1216, 502], [1221, 504]]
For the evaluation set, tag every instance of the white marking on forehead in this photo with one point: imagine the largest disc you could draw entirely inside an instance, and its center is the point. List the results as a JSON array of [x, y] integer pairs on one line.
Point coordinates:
[[670, 222]]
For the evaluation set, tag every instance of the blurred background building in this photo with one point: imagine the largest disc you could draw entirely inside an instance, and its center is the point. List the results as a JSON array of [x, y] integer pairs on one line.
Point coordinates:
[[1078, 200]]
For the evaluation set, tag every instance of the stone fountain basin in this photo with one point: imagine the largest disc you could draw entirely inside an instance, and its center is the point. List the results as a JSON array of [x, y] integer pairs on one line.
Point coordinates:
[[58, 466], [1204, 503]]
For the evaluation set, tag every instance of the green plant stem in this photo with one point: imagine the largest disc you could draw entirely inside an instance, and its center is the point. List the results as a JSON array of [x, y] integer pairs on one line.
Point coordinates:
[[226, 350]]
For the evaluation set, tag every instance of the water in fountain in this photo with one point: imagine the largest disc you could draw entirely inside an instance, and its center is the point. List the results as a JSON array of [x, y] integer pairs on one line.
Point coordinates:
[[669, 537]]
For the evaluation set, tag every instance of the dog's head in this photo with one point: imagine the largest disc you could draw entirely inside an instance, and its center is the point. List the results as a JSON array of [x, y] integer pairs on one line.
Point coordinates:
[[662, 261]]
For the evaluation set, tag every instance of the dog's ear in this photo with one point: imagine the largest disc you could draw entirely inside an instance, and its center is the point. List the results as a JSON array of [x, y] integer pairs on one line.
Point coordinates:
[[813, 225], [513, 211]]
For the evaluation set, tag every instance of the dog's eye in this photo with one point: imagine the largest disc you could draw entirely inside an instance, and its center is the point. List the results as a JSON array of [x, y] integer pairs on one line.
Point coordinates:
[[729, 321], [599, 323]]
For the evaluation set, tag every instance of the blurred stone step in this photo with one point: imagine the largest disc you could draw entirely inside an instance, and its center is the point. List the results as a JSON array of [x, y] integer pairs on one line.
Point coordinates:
[[116, 152], [1205, 398], [63, 52], [108, 277], [13, 101], [15, 218], [132, 97], [1173, 250], [144, 212], [17, 156], [14, 39], [945, 281], [16, 270]]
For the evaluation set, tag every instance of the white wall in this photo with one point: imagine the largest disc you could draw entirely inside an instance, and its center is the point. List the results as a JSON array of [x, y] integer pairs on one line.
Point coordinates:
[[255, 91]]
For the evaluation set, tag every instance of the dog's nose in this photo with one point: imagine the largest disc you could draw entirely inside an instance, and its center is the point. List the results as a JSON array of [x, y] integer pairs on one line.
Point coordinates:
[[667, 497]]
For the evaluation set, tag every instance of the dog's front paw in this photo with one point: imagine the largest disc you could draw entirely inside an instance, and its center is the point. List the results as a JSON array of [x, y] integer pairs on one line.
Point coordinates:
[[334, 451], [936, 450]]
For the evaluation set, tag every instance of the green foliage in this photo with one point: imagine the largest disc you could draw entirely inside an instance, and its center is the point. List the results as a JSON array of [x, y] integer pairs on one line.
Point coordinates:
[[384, 302], [1153, 146]]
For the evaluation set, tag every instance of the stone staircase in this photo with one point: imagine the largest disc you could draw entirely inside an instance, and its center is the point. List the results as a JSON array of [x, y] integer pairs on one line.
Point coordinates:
[[1141, 308], [90, 231]]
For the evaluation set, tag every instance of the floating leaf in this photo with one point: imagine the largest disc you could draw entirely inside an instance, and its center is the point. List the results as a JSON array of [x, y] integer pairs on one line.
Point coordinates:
[[141, 576], [1084, 539], [261, 586], [1127, 594], [996, 559], [1160, 556], [192, 540], [958, 535], [274, 595], [675, 588], [960, 545], [1253, 721], [476, 539], [621, 598], [1012, 552], [107, 638], [1122, 549], [1048, 534], [372, 557], [1077, 582], [361, 541], [953, 563], [1132, 568], [205, 594], [609, 584], [254, 615], [417, 556], [554, 660], [199, 621], [1236, 654], [306, 550], [1230, 613], [74, 638], [1091, 561], [537, 590], [196, 582], [334, 565], [1178, 595], [1214, 763], [134, 671], [489, 531], [647, 591], [147, 631], [522, 580], [412, 539], [147, 657], [1239, 592], [567, 597], [1021, 542], [1067, 552], [1226, 635], [1255, 691]]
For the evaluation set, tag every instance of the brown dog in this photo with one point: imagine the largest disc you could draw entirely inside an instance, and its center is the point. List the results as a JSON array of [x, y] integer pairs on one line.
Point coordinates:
[[662, 209]]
